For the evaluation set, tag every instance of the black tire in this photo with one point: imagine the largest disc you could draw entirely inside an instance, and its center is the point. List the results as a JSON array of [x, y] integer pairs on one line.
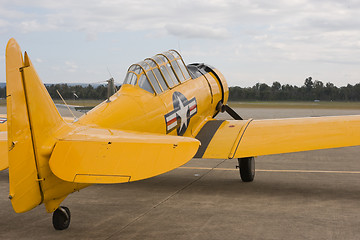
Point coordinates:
[[67, 211], [61, 218], [247, 169]]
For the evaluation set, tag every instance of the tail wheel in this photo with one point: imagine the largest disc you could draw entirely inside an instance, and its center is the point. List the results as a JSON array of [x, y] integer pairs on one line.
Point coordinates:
[[61, 218], [247, 169]]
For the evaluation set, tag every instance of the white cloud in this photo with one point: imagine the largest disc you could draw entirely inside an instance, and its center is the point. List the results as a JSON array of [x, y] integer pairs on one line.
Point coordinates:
[[196, 31], [31, 26], [70, 66], [55, 68], [183, 18], [106, 16], [245, 32], [3, 23]]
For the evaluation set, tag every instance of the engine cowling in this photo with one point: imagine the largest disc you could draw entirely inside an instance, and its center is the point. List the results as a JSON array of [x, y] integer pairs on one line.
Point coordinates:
[[217, 83]]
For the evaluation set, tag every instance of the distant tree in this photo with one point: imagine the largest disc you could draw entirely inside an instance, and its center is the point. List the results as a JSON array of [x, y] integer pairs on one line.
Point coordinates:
[[311, 90], [276, 86], [318, 90], [70, 92], [318, 84], [2, 92], [308, 83]]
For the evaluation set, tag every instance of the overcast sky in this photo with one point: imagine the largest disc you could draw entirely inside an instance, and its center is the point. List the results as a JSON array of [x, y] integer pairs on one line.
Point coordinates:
[[248, 41]]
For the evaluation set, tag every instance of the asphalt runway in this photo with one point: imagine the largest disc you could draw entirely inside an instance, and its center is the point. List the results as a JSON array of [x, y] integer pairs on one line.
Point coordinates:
[[307, 195]]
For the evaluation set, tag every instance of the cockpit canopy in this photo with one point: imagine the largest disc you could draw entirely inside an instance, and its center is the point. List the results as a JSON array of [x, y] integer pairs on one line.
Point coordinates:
[[159, 73]]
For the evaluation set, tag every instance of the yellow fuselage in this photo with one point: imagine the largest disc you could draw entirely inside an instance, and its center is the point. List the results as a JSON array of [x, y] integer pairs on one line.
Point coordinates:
[[135, 109]]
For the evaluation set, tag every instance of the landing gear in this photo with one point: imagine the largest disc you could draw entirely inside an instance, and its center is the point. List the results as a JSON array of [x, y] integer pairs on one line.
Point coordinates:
[[247, 169], [61, 218]]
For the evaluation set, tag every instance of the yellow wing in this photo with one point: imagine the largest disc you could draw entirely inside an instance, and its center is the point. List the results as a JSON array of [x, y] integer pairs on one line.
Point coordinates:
[[246, 138], [110, 156], [4, 163]]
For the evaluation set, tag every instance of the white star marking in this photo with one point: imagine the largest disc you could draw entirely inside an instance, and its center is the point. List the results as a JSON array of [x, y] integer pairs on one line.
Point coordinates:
[[182, 113]]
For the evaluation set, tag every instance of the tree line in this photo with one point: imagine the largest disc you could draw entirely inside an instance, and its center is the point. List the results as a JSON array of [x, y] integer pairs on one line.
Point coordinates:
[[71, 92], [310, 91], [77, 91]]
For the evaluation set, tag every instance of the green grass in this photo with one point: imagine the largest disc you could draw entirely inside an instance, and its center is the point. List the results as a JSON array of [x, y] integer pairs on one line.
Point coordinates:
[[295, 104]]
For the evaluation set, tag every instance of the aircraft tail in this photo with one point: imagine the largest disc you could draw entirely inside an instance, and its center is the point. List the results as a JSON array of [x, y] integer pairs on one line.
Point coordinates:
[[32, 122]]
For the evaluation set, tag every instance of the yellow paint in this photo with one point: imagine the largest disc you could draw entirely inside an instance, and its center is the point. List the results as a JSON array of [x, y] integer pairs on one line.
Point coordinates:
[[264, 137], [119, 156], [125, 139], [25, 192], [53, 204], [274, 136], [239, 137], [224, 139]]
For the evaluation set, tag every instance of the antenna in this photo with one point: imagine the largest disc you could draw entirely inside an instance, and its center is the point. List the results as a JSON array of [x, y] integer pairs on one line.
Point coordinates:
[[110, 88], [111, 85], [66, 104]]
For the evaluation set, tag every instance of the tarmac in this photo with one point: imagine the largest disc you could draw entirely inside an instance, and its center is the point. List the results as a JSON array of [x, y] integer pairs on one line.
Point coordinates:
[[306, 195]]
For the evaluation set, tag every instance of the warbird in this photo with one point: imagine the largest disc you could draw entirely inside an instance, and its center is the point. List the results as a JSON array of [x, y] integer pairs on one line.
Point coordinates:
[[162, 117]]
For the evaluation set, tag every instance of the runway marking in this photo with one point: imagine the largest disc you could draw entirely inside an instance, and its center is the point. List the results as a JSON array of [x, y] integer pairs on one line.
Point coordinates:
[[268, 170]]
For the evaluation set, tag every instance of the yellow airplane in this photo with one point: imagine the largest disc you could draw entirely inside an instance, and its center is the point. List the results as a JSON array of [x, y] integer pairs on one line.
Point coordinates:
[[162, 117]]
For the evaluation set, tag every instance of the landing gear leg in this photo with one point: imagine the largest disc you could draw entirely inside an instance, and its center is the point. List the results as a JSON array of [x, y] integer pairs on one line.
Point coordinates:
[[247, 169], [61, 218]]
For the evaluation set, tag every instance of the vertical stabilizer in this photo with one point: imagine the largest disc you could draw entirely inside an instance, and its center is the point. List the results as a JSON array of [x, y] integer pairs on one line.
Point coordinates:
[[33, 124], [25, 191], [44, 118]]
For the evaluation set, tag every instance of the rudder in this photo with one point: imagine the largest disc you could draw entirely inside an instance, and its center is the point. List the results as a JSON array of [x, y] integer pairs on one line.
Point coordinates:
[[25, 192]]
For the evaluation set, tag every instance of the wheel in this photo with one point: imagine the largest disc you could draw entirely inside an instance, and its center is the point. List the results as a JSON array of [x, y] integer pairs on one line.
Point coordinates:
[[61, 218], [247, 169]]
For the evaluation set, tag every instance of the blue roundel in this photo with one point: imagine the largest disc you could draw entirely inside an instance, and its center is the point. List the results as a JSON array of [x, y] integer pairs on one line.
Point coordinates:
[[179, 118]]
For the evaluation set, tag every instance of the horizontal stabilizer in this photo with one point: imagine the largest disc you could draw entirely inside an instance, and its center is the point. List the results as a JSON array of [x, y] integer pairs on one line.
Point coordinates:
[[246, 138], [111, 156]]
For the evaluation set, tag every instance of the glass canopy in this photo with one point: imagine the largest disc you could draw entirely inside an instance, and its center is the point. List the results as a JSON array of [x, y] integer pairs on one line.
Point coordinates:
[[159, 73]]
